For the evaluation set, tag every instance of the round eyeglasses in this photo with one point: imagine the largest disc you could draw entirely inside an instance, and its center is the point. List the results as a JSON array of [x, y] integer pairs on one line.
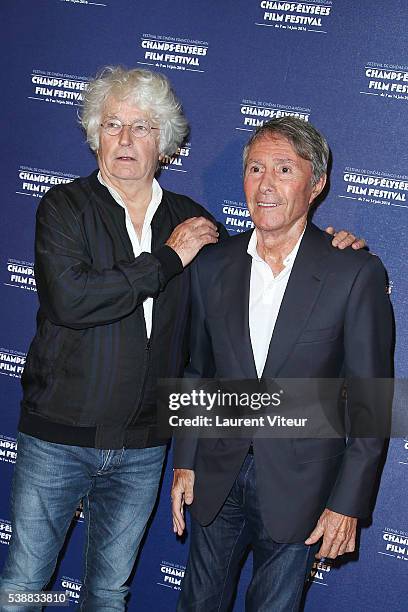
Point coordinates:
[[139, 128]]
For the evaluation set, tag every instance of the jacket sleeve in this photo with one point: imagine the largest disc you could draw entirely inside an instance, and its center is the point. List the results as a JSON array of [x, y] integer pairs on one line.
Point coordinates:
[[201, 365], [368, 342], [70, 290]]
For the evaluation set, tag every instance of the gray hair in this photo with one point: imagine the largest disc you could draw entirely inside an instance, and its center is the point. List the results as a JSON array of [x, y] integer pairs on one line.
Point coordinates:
[[305, 139], [150, 91]]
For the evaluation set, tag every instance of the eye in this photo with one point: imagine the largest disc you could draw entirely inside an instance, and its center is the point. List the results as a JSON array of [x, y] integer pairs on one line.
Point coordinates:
[[139, 127], [285, 170], [254, 169], [113, 123]]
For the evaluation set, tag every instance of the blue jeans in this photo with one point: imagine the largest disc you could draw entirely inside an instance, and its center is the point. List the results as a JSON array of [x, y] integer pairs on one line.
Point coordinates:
[[216, 553], [119, 489]]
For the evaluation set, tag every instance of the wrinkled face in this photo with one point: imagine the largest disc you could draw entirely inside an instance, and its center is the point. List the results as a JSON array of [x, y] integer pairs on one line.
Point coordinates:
[[278, 185], [124, 157]]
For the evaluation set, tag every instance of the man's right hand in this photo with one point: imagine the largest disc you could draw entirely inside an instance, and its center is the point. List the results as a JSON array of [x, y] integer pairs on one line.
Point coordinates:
[[181, 493], [190, 236]]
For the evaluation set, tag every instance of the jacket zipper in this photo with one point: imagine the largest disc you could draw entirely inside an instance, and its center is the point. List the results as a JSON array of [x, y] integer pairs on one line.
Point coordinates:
[[146, 371]]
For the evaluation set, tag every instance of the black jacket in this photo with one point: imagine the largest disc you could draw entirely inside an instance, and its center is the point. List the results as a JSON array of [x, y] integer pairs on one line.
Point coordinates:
[[90, 373], [335, 322]]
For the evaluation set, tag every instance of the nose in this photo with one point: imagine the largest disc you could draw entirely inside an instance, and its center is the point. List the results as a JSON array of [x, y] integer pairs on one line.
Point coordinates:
[[267, 182], [125, 138]]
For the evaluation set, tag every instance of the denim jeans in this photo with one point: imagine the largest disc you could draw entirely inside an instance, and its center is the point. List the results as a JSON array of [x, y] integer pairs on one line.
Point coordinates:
[[217, 550], [119, 489]]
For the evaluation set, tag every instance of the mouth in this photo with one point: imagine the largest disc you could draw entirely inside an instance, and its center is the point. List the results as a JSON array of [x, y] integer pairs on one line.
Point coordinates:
[[268, 204], [126, 158]]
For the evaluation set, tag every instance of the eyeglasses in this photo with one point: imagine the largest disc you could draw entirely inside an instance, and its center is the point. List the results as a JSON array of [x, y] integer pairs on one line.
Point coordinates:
[[139, 128]]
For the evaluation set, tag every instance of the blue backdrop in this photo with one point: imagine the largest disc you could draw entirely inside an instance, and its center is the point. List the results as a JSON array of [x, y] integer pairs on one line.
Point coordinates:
[[234, 63]]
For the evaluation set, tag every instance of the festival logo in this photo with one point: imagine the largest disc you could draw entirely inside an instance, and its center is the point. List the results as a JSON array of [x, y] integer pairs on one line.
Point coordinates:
[[57, 88], [36, 182], [235, 216], [386, 81], [320, 573], [253, 114], [86, 2], [311, 16], [79, 513], [8, 449], [179, 162], [171, 575], [20, 275], [394, 543], [5, 531], [12, 362], [72, 587], [375, 187], [172, 53], [404, 443]]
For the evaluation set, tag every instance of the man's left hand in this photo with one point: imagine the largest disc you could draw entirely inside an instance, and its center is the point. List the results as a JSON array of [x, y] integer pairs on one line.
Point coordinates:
[[344, 239], [339, 534]]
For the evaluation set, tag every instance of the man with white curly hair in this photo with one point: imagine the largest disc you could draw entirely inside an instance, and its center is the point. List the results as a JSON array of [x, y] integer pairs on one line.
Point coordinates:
[[110, 252]]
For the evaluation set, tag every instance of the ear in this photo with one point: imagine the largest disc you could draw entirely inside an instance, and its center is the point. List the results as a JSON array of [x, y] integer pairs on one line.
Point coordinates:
[[318, 188]]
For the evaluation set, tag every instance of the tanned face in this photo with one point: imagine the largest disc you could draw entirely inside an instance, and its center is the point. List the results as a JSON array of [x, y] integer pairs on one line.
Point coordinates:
[[278, 185]]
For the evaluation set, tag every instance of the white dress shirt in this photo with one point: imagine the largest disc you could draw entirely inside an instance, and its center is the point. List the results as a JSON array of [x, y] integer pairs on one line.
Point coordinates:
[[266, 293], [145, 244]]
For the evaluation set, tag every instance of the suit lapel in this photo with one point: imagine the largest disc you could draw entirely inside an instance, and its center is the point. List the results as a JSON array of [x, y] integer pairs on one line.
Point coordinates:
[[301, 293], [236, 292]]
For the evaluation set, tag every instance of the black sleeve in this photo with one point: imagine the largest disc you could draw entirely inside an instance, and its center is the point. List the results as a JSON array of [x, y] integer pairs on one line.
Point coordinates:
[[224, 235], [368, 342], [71, 291], [201, 365]]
